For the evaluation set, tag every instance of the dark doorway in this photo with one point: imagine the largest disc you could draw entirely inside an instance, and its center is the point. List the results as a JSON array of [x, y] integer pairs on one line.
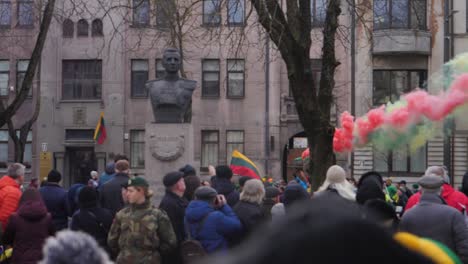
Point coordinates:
[[291, 152], [82, 161]]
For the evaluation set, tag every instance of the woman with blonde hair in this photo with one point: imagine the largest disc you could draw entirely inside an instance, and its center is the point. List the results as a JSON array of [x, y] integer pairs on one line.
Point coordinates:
[[336, 183], [249, 208]]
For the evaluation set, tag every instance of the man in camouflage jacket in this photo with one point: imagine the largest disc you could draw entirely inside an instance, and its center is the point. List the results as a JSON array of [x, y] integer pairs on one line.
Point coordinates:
[[140, 231]]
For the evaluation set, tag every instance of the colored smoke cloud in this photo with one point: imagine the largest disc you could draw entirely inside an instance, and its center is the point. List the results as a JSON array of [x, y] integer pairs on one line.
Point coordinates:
[[414, 119]]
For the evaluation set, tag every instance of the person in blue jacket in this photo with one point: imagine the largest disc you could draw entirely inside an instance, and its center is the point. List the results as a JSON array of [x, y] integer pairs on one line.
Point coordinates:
[[211, 220]]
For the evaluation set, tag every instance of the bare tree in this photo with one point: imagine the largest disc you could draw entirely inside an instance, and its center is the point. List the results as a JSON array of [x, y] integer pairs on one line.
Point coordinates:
[[9, 109]]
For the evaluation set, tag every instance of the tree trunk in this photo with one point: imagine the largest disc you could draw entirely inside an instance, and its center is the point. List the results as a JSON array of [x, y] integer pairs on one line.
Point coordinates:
[[7, 113]]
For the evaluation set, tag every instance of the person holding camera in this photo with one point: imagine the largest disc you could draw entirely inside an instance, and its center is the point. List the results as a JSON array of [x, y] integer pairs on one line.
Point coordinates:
[[210, 220]]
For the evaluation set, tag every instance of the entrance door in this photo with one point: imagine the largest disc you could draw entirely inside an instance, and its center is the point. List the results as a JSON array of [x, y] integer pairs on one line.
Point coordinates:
[[81, 162]]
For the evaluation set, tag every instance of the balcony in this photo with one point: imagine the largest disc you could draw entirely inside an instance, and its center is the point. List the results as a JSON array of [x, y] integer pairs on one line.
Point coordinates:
[[401, 41]]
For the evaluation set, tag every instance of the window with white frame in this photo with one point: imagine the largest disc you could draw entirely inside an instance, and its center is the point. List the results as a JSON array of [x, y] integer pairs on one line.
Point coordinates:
[[235, 78], [139, 78], [4, 77], [21, 68], [5, 13], [137, 148], [3, 145], [210, 148], [25, 13], [235, 12], [210, 78], [212, 12], [234, 141]]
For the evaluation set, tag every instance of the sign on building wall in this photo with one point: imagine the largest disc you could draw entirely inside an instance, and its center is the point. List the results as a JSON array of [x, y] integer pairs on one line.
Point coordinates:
[[300, 142], [45, 164]]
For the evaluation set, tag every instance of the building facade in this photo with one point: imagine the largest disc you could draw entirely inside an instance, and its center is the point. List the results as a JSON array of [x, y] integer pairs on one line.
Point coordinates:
[[98, 61]]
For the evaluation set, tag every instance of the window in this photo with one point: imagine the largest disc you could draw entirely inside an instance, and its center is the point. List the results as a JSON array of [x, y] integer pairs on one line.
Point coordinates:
[[212, 12], [68, 28], [401, 160], [137, 148], [160, 71], [141, 12], [389, 85], [234, 141], [3, 146], [82, 79], [21, 68], [4, 77], [318, 9], [399, 14], [79, 134], [27, 158], [139, 78], [235, 12], [5, 13], [210, 82], [25, 13], [83, 28], [96, 28], [164, 10], [235, 74], [210, 147]]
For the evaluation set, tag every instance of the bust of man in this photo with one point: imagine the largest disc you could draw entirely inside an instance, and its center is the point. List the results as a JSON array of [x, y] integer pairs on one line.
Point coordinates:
[[171, 96]]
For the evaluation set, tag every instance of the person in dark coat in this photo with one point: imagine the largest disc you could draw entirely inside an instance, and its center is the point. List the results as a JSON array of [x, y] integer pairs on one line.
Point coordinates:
[[222, 183], [174, 204], [56, 200], [90, 218], [28, 228], [211, 220], [242, 180], [370, 186], [192, 181], [72, 197], [249, 209], [271, 198], [432, 218], [111, 192]]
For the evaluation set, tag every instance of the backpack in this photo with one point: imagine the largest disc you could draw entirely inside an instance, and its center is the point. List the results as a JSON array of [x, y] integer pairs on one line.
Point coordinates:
[[191, 249]]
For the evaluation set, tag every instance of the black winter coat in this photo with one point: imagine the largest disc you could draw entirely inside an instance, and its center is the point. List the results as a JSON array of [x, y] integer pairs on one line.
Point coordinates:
[[56, 201], [110, 194], [250, 216], [94, 221], [174, 206]]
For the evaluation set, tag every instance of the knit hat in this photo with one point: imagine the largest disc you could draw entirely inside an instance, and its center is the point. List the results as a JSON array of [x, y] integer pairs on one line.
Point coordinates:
[[205, 193], [294, 193], [110, 168], [271, 192], [73, 248], [336, 174], [188, 170], [436, 251], [87, 197], [172, 178], [137, 182], [54, 176]]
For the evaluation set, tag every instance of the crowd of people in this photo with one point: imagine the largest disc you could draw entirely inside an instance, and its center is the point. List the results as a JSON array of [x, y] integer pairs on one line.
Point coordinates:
[[112, 218]]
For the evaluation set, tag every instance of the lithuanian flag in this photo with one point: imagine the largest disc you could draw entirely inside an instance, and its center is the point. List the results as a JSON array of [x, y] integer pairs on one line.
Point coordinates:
[[100, 132], [241, 165]]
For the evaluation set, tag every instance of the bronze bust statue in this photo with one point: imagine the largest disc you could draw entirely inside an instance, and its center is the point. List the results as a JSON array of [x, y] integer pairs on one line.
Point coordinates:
[[171, 96]]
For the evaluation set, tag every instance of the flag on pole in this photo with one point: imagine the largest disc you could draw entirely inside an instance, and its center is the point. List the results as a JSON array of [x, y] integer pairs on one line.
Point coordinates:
[[241, 165], [100, 132]]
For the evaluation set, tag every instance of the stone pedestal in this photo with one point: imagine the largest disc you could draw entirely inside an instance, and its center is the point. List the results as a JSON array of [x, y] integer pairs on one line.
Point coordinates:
[[168, 148]]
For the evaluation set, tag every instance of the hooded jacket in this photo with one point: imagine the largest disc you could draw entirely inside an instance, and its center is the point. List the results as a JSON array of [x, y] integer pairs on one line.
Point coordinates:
[[10, 194], [451, 196], [27, 231], [217, 226], [226, 187], [369, 187], [55, 198]]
